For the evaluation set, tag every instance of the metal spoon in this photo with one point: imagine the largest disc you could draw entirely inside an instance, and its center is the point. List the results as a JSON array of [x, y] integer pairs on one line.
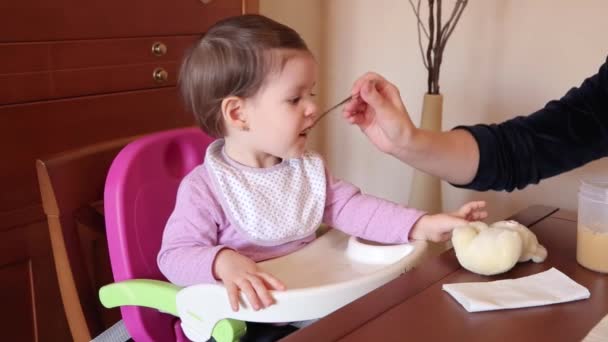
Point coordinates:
[[327, 112]]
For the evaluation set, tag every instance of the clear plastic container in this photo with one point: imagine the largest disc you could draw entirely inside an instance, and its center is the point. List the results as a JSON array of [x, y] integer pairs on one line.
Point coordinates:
[[592, 231]]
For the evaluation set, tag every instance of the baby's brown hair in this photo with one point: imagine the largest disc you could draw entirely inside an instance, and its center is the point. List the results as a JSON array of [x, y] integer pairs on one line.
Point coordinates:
[[233, 58]]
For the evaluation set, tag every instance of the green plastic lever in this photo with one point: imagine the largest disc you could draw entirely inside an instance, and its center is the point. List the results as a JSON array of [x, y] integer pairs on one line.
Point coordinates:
[[161, 295], [156, 294]]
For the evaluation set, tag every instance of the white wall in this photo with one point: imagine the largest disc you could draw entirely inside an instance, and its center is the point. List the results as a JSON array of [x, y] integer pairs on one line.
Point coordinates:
[[308, 19], [505, 58]]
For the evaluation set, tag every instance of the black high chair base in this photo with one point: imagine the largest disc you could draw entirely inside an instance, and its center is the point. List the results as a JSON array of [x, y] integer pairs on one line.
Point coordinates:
[[265, 332]]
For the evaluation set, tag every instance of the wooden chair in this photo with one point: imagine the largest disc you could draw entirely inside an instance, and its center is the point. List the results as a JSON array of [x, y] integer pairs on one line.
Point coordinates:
[[71, 186]]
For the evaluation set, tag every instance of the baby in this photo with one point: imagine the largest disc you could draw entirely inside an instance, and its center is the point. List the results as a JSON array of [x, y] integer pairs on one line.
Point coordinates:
[[260, 194]]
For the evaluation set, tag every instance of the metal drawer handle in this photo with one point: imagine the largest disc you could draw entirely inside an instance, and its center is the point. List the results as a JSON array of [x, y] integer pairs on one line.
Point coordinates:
[[159, 49], [160, 75]]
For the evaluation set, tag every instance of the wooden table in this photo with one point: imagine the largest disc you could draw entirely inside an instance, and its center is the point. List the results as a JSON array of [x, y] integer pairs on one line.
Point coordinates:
[[414, 307]]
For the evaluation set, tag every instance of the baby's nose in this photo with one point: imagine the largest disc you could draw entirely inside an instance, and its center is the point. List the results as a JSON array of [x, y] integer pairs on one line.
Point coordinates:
[[312, 110]]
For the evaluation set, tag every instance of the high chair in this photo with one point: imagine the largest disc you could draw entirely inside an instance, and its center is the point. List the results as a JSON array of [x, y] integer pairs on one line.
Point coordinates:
[[140, 193]]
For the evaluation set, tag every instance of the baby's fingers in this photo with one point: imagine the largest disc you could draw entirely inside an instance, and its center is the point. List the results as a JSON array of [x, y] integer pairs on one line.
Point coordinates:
[[261, 291], [445, 236], [470, 207], [250, 293], [272, 281], [477, 215], [233, 295]]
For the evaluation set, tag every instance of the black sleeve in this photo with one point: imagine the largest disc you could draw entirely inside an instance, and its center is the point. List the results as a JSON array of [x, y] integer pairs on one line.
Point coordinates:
[[565, 134]]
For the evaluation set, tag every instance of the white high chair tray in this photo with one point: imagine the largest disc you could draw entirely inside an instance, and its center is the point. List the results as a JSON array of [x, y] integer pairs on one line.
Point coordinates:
[[327, 274]]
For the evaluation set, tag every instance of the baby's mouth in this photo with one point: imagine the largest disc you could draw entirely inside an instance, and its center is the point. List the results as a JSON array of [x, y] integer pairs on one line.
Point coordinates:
[[305, 132]]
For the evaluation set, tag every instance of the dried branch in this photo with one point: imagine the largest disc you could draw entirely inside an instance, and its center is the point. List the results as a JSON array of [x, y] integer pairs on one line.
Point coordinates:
[[429, 49], [417, 13], [452, 16], [437, 50], [460, 9], [437, 37], [438, 13]]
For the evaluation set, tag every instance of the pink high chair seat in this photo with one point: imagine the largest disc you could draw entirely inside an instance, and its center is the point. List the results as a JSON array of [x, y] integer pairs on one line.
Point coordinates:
[[139, 196]]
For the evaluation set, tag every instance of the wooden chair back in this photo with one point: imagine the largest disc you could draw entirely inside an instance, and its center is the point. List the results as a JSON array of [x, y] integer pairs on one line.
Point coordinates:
[[72, 186]]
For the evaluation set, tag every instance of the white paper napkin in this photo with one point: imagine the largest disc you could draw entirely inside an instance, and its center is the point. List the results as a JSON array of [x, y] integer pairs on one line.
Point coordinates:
[[548, 287]]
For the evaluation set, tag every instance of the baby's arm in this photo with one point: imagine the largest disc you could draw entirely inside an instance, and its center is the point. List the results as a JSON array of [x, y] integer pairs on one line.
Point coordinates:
[[380, 220], [439, 227], [366, 216], [190, 253], [189, 245]]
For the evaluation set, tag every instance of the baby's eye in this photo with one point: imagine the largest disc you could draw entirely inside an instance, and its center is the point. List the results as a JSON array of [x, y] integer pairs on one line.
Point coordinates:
[[313, 94], [295, 100]]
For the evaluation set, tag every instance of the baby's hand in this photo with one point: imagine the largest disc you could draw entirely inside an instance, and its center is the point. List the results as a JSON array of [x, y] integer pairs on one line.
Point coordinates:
[[438, 228], [472, 211], [239, 273]]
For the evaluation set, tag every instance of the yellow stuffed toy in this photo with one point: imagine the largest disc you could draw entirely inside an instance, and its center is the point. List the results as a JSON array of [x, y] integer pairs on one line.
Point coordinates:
[[495, 249]]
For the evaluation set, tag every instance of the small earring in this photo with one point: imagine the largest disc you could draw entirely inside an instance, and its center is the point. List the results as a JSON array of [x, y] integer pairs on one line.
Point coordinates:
[[245, 127]]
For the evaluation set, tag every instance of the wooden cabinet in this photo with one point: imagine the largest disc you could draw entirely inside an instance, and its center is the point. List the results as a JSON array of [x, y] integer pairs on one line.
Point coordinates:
[[56, 70], [73, 73]]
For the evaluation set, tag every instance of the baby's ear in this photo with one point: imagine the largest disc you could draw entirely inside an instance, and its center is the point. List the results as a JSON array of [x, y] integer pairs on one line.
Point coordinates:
[[233, 113]]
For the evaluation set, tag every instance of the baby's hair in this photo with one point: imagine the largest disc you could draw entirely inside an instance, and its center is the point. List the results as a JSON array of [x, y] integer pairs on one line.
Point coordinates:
[[233, 58]]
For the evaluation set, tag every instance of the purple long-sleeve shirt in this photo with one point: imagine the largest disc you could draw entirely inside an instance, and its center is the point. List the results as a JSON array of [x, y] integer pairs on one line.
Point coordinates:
[[199, 228]]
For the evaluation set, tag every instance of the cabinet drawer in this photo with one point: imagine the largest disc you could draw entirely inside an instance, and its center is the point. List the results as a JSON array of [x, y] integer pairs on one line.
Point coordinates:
[[71, 83], [107, 52], [35, 20], [24, 57], [25, 87], [18, 58], [77, 68], [91, 81], [31, 131]]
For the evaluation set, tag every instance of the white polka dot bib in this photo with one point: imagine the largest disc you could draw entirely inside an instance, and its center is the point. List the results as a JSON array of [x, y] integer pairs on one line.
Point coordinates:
[[270, 206]]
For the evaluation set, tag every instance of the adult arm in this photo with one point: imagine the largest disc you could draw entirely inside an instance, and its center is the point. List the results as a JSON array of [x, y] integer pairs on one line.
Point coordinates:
[[565, 134]]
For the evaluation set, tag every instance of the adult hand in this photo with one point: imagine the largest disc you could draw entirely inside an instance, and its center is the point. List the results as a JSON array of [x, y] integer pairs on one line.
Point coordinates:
[[376, 107], [378, 110], [239, 273]]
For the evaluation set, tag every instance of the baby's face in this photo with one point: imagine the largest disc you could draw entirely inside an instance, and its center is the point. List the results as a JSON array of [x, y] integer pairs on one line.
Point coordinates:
[[284, 108]]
